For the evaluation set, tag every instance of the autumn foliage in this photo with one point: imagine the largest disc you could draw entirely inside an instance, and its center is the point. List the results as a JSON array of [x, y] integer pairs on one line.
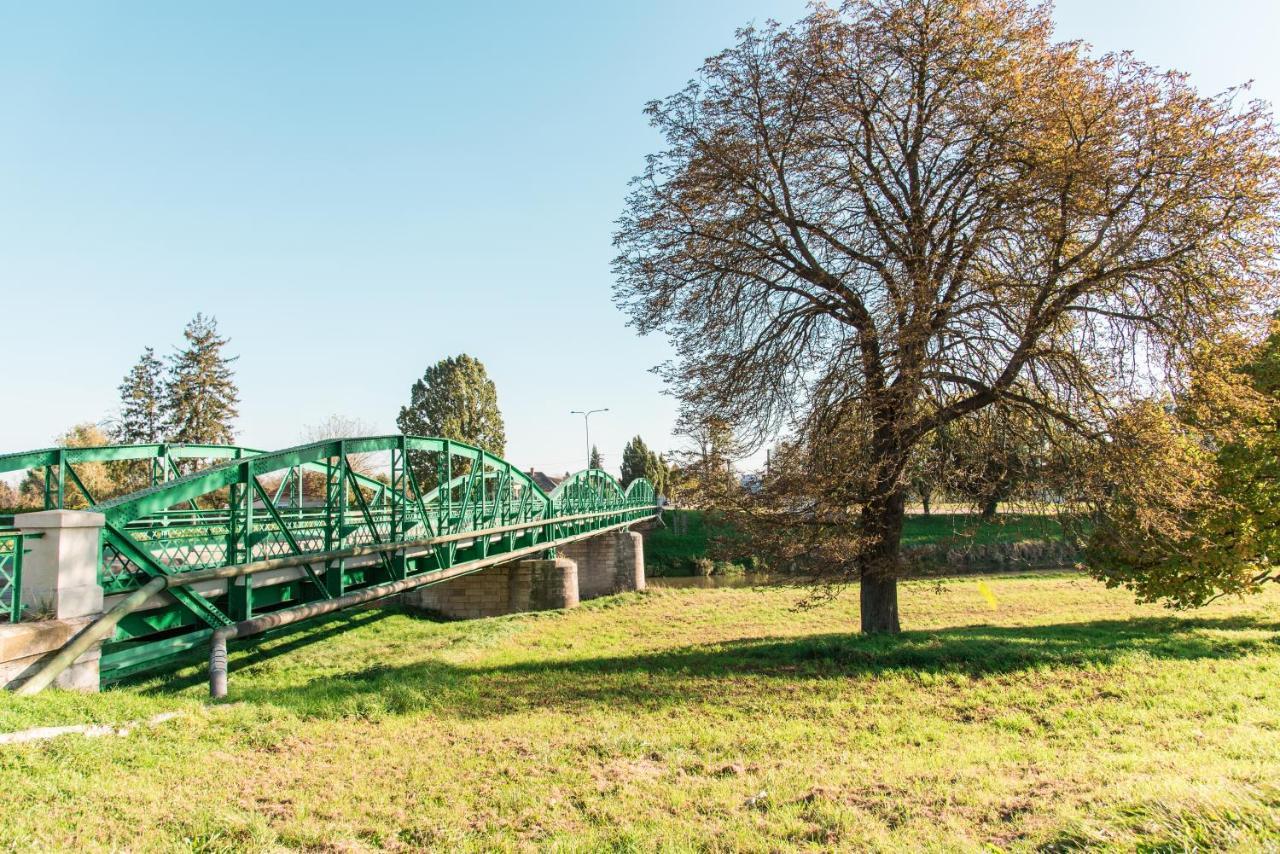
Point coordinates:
[[1188, 495]]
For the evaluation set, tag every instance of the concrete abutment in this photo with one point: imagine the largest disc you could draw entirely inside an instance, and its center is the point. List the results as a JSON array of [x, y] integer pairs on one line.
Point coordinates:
[[509, 588], [60, 588]]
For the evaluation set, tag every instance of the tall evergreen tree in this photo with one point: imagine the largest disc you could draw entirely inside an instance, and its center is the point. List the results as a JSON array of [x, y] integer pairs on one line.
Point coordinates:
[[594, 462], [142, 403], [638, 461], [455, 399], [201, 393], [658, 473], [635, 458]]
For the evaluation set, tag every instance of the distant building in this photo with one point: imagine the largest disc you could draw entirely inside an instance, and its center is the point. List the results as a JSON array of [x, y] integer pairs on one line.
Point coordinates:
[[544, 481]]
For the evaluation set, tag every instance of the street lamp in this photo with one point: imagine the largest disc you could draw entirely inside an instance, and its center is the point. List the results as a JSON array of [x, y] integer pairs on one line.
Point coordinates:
[[586, 425]]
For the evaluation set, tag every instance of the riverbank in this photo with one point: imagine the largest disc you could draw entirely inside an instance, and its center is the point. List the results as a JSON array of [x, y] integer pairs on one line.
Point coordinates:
[[939, 543]]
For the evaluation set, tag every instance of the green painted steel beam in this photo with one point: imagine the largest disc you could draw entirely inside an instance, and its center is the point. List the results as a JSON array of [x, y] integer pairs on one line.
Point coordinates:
[[163, 496], [115, 453]]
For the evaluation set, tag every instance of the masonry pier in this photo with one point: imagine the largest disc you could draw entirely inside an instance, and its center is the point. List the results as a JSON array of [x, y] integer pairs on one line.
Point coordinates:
[[610, 563]]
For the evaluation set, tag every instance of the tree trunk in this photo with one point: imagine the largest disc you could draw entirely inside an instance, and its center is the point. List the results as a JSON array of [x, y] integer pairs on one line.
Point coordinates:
[[880, 563], [878, 598], [989, 507]]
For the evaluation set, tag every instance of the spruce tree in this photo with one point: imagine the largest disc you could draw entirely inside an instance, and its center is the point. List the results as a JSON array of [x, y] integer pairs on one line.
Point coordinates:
[[201, 394], [594, 461], [142, 404]]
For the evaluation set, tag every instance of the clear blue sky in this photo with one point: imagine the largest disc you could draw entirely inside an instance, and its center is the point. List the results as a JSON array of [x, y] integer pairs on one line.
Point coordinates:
[[356, 190]]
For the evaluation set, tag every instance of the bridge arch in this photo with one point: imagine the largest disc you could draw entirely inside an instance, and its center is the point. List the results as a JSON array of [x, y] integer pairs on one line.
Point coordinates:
[[587, 490], [356, 509], [641, 489]]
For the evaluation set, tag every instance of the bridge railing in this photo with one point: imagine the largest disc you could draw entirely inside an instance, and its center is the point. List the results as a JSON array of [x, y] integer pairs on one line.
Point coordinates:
[[173, 528], [58, 470], [12, 549]]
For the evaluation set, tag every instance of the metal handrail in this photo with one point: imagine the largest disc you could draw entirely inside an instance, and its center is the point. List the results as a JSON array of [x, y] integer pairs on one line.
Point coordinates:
[[17, 550]]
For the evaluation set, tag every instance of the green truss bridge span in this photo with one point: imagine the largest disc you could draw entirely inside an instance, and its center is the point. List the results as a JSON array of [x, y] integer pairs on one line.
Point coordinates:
[[219, 542]]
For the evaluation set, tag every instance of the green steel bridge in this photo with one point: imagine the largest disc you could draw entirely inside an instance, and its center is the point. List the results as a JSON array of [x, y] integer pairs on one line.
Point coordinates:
[[224, 541]]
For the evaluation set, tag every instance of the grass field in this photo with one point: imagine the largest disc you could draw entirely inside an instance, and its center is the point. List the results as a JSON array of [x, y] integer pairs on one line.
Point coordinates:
[[669, 553], [1022, 712]]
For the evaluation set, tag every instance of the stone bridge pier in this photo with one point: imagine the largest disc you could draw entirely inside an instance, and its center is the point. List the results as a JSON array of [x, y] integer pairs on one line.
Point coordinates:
[[611, 562]]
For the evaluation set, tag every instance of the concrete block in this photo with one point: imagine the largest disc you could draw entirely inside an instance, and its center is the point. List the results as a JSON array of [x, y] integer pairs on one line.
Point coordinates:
[[528, 585], [60, 572], [480, 594], [545, 585], [24, 646]]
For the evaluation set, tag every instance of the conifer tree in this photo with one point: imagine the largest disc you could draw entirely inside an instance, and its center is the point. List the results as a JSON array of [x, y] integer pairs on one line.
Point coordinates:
[[635, 456], [201, 394], [455, 399], [638, 461], [142, 404], [658, 473], [595, 462]]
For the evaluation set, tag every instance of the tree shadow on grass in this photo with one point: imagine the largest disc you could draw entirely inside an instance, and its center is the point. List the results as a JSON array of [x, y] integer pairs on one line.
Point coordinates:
[[655, 680]]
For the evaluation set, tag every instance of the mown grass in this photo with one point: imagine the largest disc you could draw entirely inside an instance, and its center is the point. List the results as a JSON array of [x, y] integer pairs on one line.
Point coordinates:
[[1021, 712], [670, 553], [918, 529]]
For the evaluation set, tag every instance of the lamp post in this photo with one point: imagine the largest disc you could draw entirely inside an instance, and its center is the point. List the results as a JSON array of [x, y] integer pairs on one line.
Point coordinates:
[[586, 426]]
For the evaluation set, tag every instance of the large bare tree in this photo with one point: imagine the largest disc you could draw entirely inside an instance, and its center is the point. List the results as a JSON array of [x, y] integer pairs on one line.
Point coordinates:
[[896, 213]]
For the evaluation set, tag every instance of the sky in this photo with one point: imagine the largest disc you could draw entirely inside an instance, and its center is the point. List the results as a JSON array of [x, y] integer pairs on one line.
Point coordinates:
[[357, 190]]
